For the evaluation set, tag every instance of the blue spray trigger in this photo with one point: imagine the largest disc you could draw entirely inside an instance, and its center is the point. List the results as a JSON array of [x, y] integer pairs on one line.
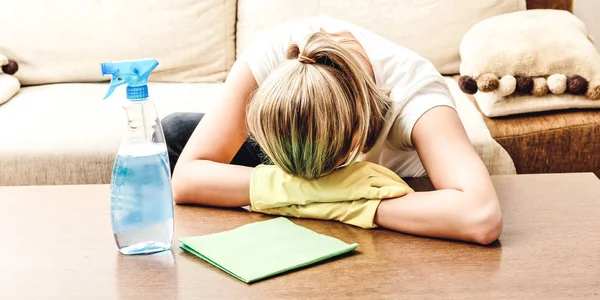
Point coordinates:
[[134, 73]]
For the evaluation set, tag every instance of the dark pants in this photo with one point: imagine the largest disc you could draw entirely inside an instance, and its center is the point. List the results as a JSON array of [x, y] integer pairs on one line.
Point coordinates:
[[178, 127]]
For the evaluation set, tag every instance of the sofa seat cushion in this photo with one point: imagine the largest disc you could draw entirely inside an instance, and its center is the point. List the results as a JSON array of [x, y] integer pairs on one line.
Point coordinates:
[[551, 142], [66, 133]]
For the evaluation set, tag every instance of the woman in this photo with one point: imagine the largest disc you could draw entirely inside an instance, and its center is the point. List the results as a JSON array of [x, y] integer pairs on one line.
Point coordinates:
[[342, 94]]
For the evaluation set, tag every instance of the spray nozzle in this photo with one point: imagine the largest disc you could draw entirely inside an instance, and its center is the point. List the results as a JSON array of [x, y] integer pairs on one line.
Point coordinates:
[[134, 73]]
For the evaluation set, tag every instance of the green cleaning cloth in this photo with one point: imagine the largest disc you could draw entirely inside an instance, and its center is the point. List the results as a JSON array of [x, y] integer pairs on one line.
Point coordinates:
[[263, 249]]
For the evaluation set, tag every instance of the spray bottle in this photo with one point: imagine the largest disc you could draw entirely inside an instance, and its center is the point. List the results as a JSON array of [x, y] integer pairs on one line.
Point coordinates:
[[141, 200]]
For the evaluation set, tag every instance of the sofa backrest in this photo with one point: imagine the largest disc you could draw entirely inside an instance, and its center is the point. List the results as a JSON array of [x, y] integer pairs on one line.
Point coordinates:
[[195, 40], [432, 28], [65, 41]]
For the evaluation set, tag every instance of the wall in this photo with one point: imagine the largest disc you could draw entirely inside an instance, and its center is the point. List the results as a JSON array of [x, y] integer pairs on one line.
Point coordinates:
[[589, 12]]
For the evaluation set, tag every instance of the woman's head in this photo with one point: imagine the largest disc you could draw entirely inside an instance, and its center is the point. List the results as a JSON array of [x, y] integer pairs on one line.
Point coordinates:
[[318, 110]]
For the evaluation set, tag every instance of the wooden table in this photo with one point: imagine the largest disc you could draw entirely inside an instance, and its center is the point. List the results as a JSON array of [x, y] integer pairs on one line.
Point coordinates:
[[56, 243]]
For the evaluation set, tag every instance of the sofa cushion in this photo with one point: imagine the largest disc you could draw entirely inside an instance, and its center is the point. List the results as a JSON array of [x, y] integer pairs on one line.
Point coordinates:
[[405, 22], [530, 61], [65, 42], [552, 141], [62, 134], [538, 42]]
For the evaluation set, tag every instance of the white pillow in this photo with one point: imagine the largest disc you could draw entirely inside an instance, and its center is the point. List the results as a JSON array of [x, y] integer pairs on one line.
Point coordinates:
[[538, 42], [530, 61]]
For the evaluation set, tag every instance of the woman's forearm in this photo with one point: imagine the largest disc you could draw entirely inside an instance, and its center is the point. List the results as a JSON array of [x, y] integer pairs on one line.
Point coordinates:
[[450, 214], [210, 183]]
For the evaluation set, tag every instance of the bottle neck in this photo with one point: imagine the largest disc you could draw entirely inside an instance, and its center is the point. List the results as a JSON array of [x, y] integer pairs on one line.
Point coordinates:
[[137, 93], [142, 122]]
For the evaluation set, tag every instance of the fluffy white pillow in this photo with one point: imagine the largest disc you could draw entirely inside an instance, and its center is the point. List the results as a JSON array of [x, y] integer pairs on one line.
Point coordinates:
[[543, 57]]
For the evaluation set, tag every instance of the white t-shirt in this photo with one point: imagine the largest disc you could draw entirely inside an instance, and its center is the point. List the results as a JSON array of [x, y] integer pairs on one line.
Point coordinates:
[[414, 83]]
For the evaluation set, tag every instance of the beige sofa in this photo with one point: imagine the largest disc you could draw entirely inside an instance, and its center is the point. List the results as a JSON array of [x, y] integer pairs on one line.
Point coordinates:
[[58, 130]]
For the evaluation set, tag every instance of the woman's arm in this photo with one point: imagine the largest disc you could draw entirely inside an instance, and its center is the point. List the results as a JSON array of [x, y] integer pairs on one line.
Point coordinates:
[[464, 205], [203, 174]]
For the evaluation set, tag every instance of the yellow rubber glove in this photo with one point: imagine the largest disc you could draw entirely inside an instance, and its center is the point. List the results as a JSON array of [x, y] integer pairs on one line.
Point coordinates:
[[359, 213], [350, 194], [271, 187]]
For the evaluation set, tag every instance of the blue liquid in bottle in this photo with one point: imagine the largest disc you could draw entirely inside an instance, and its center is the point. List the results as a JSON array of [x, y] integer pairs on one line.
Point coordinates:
[[141, 200]]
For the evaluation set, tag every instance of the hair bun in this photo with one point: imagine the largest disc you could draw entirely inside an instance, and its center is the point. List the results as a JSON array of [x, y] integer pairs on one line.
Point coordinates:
[[293, 51]]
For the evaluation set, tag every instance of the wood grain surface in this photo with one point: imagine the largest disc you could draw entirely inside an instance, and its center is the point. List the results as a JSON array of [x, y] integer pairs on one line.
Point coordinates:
[[56, 243], [550, 4]]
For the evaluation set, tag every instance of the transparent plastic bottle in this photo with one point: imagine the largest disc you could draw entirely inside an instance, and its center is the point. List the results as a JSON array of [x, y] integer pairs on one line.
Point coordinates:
[[141, 200]]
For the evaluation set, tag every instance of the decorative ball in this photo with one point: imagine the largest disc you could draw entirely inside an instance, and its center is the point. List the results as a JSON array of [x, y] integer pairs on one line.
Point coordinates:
[[11, 68], [487, 82], [524, 84], [467, 84], [508, 84], [540, 87], [557, 83], [593, 91], [577, 85]]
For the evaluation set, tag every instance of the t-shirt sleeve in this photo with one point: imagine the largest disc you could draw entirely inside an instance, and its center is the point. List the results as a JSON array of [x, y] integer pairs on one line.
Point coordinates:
[[433, 94]]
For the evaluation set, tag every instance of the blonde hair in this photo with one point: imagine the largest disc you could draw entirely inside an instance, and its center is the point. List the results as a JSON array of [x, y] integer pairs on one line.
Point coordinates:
[[316, 110]]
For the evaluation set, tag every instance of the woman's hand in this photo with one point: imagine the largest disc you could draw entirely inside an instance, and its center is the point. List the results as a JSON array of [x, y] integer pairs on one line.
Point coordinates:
[[271, 187], [464, 205], [350, 194]]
